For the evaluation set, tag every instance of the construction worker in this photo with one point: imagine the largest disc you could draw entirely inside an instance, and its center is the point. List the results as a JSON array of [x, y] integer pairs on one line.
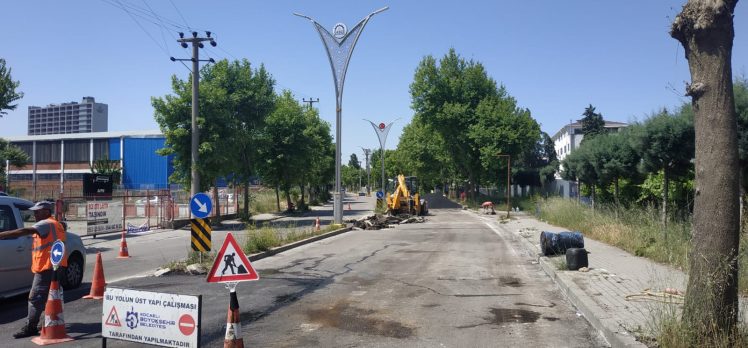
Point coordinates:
[[45, 232]]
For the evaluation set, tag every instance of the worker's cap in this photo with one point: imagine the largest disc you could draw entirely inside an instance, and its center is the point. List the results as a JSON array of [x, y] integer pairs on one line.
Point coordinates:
[[42, 205]]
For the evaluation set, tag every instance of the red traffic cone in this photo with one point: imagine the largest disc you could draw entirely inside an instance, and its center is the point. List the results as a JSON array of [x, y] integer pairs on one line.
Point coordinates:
[[316, 225], [233, 338], [54, 325], [98, 283], [123, 253]]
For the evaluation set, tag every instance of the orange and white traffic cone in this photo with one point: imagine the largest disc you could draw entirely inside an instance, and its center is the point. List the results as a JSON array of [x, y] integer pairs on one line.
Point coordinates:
[[316, 225], [98, 283], [123, 253], [233, 338], [54, 324]]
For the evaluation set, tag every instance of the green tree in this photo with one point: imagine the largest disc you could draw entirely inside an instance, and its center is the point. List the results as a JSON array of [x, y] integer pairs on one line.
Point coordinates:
[[107, 167], [740, 87], [463, 105], [173, 114], [12, 154], [8, 93], [421, 153], [353, 162], [320, 165], [665, 143], [286, 149], [592, 123], [249, 99], [580, 165], [613, 159]]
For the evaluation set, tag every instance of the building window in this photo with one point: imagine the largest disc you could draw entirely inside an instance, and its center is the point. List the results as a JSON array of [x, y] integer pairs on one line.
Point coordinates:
[[48, 152], [101, 149], [21, 177], [73, 176], [48, 177], [77, 150]]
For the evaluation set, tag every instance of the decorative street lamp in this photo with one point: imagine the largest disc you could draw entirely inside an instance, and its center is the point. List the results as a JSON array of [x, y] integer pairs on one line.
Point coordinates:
[[339, 47], [382, 130]]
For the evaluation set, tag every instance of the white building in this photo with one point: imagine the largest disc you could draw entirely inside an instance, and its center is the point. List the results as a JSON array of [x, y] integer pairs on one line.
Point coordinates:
[[568, 139]]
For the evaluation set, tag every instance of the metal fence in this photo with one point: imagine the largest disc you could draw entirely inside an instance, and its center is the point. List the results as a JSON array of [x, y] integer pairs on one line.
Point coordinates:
[[143, 209]]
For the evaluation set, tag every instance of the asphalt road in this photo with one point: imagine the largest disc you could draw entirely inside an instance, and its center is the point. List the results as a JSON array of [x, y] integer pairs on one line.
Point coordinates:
[[454, 281]]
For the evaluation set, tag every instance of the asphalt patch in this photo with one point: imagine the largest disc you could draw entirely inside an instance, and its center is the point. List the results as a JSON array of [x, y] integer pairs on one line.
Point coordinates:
[[438, 201], [507, 315], [343, 316]]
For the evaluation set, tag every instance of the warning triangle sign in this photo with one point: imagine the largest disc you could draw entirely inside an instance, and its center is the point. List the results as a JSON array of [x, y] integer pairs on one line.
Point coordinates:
[[113, 318], [231, 264]]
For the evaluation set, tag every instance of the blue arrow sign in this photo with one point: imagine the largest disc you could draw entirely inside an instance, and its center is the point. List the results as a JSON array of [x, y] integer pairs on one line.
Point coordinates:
[[380, 194], [58, 251], [201, 205]]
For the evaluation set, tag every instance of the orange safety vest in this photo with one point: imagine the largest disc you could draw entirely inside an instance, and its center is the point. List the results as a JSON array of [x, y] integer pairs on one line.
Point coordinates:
[[42, 247]]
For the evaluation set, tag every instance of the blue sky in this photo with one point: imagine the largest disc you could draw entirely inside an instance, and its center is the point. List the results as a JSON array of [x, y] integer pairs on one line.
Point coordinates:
[[555, 57]]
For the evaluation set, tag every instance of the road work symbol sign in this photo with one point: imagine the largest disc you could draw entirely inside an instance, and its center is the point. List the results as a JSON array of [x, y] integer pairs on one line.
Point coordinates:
[[113, 318], [200, 205], [201, 232], [231, 264]]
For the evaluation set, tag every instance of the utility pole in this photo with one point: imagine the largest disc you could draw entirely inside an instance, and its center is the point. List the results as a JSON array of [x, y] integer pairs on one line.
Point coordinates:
[[197, 42], [359, 176], [367, 152], [310, 101]]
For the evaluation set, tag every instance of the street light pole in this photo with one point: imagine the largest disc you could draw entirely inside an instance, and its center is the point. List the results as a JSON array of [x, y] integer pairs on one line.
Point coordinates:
[[382, 130], [339, 47], [367, 152], [508, 183]]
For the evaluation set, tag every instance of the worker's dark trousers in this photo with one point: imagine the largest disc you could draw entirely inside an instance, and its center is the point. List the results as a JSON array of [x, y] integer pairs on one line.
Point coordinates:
[[38, 297]]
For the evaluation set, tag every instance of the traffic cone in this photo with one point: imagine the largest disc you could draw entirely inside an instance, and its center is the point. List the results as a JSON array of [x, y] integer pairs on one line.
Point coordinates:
[[54, 325], [98, 283], [123, 253], [316, 225], [233, 337]]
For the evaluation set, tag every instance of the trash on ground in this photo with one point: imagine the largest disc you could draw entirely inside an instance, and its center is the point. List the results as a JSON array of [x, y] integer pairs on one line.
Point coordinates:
[[378, 221]]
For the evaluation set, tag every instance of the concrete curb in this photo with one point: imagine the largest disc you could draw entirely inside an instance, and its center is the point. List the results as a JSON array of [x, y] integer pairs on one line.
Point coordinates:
[[280, 249], [595, 315]]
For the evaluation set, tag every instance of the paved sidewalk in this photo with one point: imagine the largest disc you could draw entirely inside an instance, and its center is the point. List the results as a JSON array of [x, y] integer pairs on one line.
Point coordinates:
[[601, 294]]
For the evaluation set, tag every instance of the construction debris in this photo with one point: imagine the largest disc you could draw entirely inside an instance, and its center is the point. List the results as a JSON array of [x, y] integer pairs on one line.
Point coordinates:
[[378, 221]]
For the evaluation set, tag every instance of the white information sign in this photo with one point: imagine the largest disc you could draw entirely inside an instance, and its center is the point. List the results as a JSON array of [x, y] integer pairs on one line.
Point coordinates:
[[103, 216], [155, 318]]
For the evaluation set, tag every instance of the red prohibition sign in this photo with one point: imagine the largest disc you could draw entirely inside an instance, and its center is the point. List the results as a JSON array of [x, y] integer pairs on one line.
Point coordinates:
[[186, 324], [382, 125]]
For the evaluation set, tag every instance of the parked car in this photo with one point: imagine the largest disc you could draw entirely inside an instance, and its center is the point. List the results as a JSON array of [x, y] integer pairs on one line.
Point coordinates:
[[153, 200], [15, 253]]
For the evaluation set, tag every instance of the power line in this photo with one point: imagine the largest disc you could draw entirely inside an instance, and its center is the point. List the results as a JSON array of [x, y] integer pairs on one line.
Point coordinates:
[[180, 14], [163, 48]]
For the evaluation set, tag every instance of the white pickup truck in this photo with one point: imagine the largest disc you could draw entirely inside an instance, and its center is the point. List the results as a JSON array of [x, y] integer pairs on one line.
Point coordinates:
[[15, 253]]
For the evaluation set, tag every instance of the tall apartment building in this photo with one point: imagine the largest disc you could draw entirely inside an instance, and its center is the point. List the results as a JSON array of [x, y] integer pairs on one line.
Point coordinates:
[[84, 117]]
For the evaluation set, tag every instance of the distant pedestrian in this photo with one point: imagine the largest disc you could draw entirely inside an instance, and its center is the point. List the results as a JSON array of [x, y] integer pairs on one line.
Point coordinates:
[[45, 232], [229, 262]]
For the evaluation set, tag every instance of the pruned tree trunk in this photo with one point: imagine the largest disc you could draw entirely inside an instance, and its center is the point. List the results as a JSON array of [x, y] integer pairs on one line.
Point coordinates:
[[217, 200], [665, 189], [705, 29], [617, 196], [246, 198], [277, 197]]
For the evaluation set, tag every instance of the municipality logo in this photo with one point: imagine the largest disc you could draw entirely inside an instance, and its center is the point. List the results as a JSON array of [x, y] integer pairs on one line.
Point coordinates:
[[132, 319]]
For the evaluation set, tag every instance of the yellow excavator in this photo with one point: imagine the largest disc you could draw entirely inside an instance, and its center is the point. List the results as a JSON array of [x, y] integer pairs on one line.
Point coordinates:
[[405, 198]]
